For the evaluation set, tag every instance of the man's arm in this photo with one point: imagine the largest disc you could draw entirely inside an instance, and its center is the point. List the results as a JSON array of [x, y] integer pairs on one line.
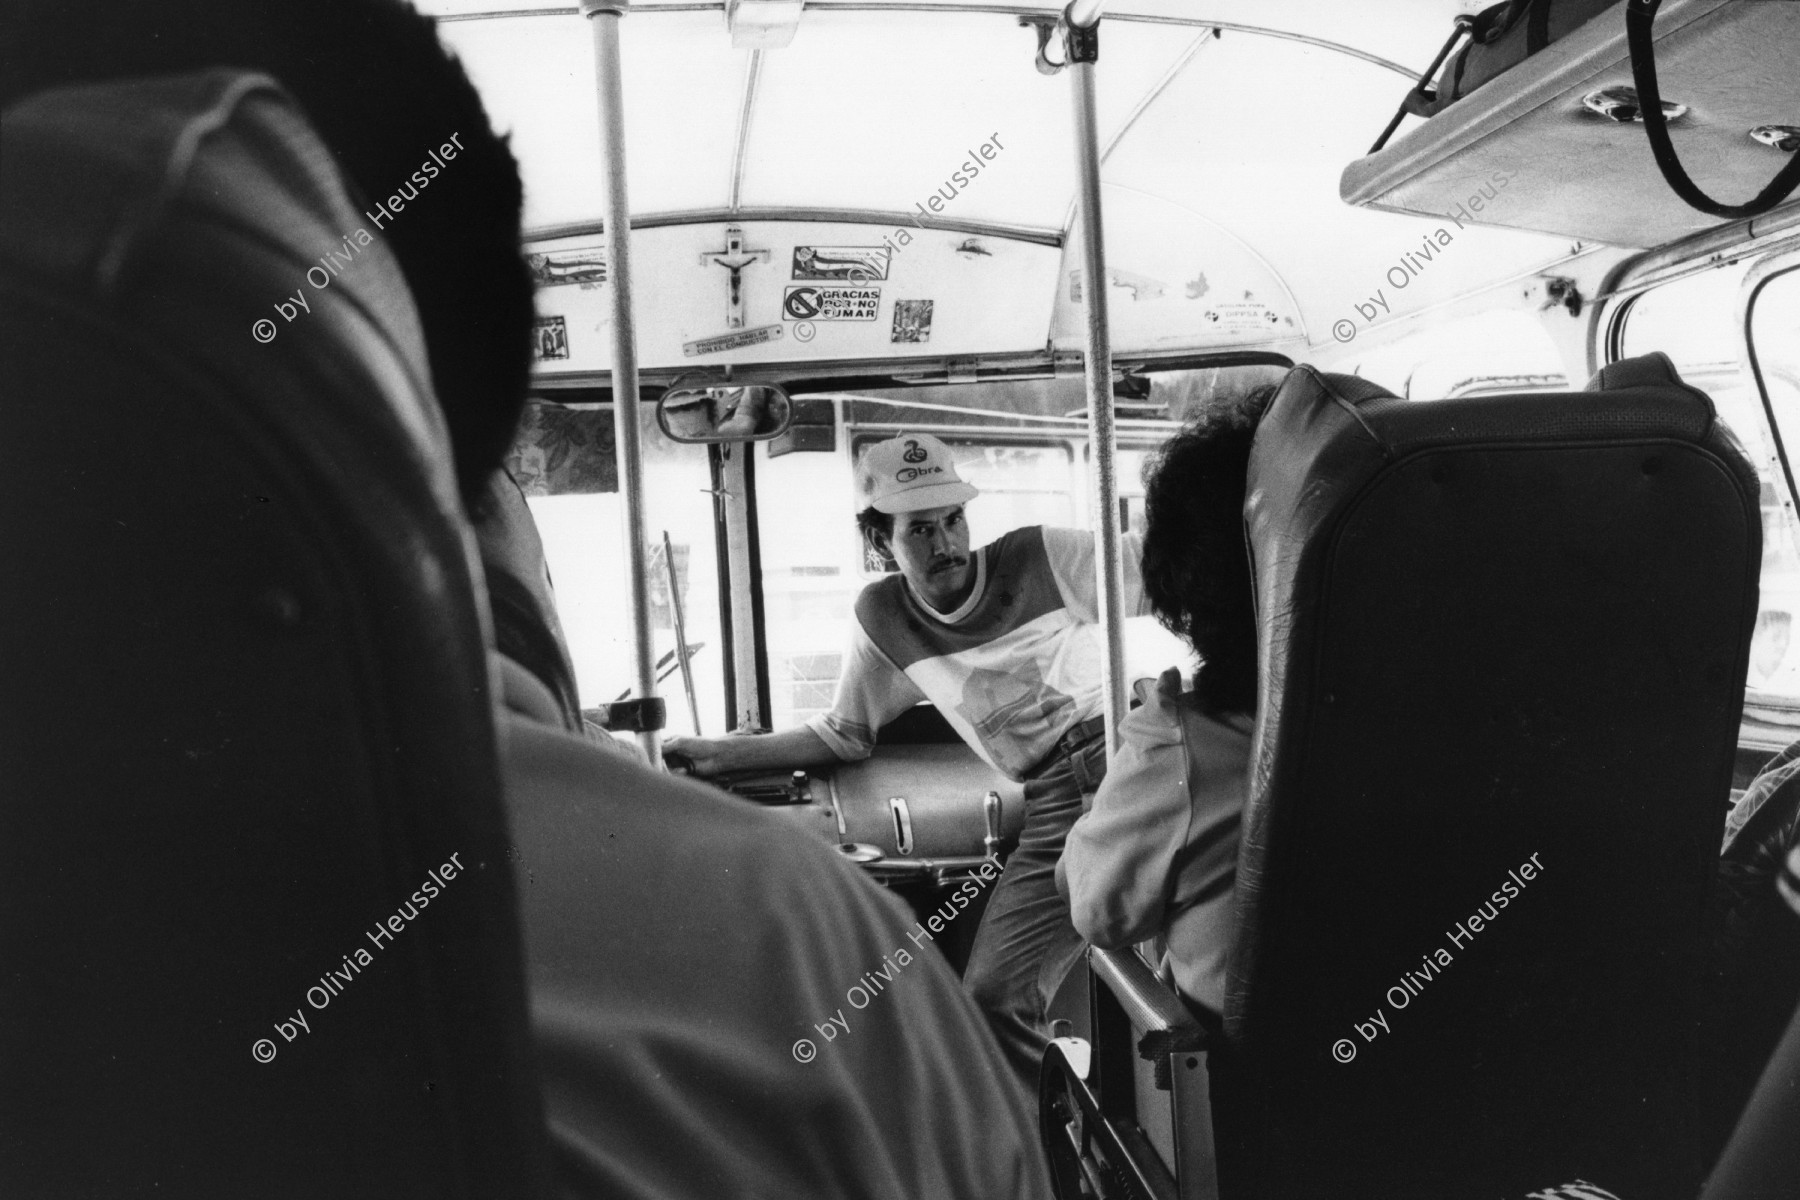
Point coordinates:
[[1118, 860], [871, 691], [799, 747]]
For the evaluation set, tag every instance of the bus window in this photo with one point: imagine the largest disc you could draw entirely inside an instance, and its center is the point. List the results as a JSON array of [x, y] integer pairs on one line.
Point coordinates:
[[564, 462], [1775, 341], [1130, 467], [1020, 485], [811, 572], [1149, 648], [1694, 321], [1500, 350]]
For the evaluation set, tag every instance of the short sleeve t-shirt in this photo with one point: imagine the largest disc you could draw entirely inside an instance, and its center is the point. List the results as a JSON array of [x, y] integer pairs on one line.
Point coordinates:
[[1019, 664]]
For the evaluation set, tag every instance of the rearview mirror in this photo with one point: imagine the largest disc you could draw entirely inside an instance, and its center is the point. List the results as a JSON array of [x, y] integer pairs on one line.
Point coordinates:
[[722, 413]]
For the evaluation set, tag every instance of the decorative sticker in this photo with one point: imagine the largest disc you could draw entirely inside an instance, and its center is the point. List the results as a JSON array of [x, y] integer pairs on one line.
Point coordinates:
[[549, 338], [558, 450], [586, 267], [733, 341], [912, 321], [830, 304], [852, 264], [1248, 317]]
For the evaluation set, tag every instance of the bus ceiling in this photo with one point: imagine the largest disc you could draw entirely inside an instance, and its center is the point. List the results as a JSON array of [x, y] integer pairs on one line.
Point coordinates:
[[897, 183]]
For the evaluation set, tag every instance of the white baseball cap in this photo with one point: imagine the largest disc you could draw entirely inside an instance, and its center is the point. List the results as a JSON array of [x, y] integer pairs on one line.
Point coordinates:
[[910, 472]]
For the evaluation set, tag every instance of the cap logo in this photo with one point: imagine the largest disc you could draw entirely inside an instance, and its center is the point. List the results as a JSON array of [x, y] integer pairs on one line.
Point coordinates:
[[910, 474]]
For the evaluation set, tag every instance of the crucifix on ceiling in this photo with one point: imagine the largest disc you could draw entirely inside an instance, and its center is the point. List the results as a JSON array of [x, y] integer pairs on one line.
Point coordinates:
[[734, 258]]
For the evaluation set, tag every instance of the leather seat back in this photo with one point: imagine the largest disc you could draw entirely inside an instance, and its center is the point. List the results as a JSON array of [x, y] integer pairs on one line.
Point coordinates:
[[248, 716], [1494, 632]]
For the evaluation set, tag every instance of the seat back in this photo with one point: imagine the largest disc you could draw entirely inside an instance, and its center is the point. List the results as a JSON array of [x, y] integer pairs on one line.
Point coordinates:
[[255, 905], [1503, 644]]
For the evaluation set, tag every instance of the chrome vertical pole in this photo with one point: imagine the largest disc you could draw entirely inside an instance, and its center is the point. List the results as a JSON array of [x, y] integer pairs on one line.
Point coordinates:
[[1082, 45], [604, 17]]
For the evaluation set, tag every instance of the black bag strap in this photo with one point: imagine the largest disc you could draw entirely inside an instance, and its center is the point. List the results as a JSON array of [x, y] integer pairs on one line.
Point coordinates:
[[1419, 100], [1537, 29], [1640, 15]]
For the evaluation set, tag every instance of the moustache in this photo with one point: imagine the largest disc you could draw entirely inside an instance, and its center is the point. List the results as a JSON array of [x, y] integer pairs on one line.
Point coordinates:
[[947, 564]]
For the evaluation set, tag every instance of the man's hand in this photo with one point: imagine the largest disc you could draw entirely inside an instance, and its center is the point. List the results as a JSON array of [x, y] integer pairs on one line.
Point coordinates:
[[789, 749], [700, 756]]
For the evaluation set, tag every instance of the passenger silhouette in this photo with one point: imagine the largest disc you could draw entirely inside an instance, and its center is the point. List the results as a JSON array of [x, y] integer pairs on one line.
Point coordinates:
[[1156, 856]]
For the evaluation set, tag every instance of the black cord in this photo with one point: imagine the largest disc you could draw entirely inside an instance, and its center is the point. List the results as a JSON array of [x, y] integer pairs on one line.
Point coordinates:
[[1640, 15], [1421, 97]]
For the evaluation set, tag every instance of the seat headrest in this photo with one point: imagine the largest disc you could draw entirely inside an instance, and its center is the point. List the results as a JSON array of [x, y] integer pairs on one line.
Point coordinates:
[[249, 709], [203, 210]]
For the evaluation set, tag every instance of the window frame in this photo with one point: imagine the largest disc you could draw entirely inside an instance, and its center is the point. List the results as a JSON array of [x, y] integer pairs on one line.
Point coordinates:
[[1782, 259], [1769, 717]]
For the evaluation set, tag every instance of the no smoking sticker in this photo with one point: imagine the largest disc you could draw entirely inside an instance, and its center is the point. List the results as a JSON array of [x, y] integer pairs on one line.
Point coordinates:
[[830, 304]]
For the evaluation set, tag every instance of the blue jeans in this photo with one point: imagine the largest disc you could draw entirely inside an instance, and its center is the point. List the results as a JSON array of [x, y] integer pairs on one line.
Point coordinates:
[[1026, 943]]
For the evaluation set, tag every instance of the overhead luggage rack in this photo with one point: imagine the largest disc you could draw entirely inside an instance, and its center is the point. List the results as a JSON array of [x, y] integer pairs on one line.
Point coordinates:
[[1525, 151]]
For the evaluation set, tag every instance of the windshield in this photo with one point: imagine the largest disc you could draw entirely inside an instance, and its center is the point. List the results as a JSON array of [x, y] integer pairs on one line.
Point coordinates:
[[564, 463], [1024, 445]]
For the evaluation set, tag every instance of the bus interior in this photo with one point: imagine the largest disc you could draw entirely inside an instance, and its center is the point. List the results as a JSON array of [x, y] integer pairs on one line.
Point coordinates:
[[766, 235]]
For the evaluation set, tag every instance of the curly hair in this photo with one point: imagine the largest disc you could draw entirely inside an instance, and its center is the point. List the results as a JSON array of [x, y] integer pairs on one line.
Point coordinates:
[[1196, 568], [380, 90]]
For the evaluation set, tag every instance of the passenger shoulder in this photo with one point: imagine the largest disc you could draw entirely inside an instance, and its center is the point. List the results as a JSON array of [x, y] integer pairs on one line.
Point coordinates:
[[563, 792], [1157, 719], [1217, 743]]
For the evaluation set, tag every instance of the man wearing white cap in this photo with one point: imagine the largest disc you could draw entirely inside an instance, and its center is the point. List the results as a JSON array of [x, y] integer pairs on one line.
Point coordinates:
[[1004, 641]]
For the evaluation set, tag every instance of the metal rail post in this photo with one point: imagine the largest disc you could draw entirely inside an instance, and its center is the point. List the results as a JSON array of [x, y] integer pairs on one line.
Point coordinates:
[[604, 17], [682, 656], [1082, 51]]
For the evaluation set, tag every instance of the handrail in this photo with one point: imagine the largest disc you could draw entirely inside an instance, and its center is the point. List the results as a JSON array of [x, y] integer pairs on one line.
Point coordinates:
[[1081, 53], [1169, 1028], [603, 18]]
